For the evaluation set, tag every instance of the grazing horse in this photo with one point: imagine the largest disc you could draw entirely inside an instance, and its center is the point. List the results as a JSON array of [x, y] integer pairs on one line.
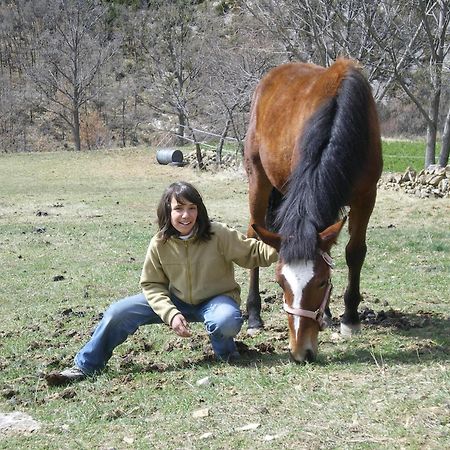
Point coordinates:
[[312, 149]]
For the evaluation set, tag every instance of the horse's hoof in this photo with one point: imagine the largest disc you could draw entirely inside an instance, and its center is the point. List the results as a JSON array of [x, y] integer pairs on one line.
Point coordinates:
[[327, 321], [350, 330], [253, 331]]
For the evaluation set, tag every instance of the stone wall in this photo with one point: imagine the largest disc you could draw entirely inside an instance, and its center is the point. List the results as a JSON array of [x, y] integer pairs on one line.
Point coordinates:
[[433, 182], [209, 160]]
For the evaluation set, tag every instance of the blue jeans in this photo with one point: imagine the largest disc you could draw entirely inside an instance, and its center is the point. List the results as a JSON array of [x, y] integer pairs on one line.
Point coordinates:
[[221, 316]]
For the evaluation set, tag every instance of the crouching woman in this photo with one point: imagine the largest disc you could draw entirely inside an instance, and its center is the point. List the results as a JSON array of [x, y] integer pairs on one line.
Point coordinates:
[[188, 276]]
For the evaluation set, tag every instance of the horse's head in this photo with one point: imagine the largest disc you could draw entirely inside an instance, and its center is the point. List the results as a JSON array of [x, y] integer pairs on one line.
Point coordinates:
[[307, 287]]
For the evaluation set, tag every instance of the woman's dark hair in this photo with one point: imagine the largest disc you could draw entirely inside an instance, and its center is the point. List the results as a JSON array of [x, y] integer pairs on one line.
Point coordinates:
[[183, 191]]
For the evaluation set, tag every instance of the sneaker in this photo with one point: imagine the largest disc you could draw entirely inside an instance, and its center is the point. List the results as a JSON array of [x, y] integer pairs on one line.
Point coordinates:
[[65, 376], [230, 357], [234, 357]]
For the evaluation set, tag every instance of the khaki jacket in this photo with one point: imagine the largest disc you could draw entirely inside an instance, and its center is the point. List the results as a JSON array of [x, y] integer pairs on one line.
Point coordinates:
[[195, 271]]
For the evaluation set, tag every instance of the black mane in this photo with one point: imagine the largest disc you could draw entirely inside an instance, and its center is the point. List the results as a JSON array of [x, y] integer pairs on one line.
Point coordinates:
[[333, 151]]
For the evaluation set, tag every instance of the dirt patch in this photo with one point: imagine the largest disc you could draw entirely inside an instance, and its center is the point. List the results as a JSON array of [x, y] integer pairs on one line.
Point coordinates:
[[395, 319]]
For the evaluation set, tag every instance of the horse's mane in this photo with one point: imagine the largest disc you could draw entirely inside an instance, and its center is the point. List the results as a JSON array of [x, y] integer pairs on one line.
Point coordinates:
[[333, 149]]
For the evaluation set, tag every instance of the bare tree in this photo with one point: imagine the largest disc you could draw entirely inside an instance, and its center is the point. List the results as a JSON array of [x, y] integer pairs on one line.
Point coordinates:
[[73, 48], [170, 53], [401, 43], [445, 149], [232, 74], [412, 40], [18, 104], [314, 30]]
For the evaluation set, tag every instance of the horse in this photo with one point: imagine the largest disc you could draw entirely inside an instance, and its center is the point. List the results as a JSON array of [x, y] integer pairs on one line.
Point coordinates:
[[313, 157]]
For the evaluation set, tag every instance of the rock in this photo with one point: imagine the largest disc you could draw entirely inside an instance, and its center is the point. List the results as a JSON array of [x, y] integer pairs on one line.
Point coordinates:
[[248, 427], [435, 179], [17, 422], [206, 435], [206, 381], [200, 413], [444, 185]]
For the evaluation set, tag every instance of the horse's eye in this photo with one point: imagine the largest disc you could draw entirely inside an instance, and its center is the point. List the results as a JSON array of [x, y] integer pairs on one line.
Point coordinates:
[[323, 284]]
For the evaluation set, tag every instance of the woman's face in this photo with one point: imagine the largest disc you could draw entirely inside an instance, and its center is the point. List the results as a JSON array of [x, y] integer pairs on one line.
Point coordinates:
[[183, 215]]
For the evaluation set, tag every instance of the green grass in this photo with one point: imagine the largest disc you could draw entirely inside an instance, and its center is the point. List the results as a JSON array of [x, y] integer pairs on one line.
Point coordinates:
[[399, 155], [89, 217]]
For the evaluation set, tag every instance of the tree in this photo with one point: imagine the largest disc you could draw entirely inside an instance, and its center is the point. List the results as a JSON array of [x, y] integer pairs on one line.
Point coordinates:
[[170, 54], [412, 40], [18, 103], [232, 74], [72, 50], [401, 43]]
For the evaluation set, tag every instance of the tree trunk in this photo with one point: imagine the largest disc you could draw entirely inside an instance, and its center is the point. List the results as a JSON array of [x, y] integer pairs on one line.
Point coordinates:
[[437, 59], [445, 148], [430, 150], [123, 124], [181, 129], [198, 154], [198, 150], [76, 129], [221, 142]]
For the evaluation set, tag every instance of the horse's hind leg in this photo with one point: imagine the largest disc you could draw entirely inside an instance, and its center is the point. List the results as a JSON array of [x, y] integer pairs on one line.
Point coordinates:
[[355, 253]]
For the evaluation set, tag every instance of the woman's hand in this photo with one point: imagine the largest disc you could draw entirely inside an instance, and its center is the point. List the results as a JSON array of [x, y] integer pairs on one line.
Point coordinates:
[[180, 325]]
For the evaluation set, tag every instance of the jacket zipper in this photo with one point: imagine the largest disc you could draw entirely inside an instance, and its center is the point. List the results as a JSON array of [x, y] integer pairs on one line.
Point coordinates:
[[188, 264]]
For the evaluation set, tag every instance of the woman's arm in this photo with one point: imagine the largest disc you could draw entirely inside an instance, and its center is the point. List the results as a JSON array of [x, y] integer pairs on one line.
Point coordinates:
[[155, 285], [244, 251]]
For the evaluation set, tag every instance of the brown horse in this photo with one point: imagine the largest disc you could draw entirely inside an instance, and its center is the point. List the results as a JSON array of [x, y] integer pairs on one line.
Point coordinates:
[[313, 147]]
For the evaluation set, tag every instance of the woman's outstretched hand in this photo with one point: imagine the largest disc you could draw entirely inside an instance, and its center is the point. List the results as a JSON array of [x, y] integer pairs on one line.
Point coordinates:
[[180, 325]]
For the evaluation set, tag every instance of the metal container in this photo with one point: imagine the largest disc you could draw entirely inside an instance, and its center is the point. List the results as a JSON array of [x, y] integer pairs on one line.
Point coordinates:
[[168, 156]]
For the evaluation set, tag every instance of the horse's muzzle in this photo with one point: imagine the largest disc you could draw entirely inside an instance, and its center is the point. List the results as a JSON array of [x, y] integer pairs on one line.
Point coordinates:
[[309, 357]]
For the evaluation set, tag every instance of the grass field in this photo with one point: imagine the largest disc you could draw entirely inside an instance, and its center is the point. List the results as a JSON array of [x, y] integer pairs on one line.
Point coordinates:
[[398, 155], [73, 234]]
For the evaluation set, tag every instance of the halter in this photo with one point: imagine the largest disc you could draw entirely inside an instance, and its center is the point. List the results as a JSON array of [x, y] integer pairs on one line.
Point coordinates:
[[318, 314]]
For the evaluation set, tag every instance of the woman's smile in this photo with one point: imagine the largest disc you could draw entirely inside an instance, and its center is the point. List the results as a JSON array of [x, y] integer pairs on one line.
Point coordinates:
[[183, 215]]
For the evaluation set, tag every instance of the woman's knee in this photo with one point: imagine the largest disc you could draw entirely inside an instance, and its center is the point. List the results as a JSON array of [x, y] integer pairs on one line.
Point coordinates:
[[124, 309], [226, 321], [231, 327]]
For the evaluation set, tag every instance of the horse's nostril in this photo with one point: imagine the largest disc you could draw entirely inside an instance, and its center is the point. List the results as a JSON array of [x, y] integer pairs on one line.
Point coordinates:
[[310, 356]]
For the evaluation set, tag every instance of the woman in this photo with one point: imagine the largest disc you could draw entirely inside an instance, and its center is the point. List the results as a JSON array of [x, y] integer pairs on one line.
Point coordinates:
[[188, 276]]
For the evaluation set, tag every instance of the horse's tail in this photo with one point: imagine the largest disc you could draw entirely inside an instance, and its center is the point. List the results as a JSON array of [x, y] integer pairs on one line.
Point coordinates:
[[333, 148]]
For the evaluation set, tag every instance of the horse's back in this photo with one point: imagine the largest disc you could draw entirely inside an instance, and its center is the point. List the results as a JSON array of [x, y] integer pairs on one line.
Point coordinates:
[[284, 100]]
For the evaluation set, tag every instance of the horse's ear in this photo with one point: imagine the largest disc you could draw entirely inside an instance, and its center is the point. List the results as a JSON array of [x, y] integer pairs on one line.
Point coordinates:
[[268, 237], [328, 237]]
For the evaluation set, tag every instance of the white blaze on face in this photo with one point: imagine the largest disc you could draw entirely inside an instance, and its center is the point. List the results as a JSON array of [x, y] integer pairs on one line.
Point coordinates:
[[298, 276]]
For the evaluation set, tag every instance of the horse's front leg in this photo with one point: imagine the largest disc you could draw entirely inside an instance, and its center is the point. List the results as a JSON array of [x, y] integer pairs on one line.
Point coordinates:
[[355, 253], [259, 192], [254, 303]]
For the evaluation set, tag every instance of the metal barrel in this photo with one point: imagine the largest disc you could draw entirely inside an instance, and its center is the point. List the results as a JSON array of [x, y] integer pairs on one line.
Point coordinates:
[[169, 155]]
